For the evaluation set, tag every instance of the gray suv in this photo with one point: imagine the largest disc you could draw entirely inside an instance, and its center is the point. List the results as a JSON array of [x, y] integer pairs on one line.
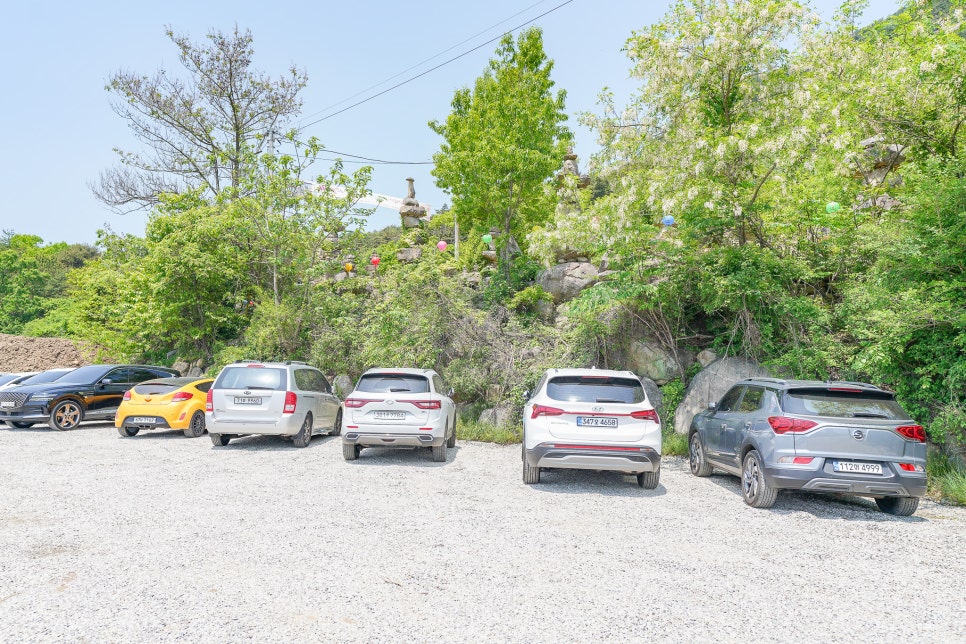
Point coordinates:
[[843, 437]]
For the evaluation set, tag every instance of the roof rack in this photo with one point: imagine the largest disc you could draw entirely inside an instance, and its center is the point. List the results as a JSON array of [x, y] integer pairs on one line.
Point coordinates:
[[247, 360], [777, 381], [864, 385]]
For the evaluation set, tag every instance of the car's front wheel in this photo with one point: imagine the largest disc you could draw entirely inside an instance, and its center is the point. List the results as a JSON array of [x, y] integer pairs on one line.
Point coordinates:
[[66, 415], [649, 480], [304, 437], [699, 465], [754, 489], [127, 432], [900, 506], [197, 425]]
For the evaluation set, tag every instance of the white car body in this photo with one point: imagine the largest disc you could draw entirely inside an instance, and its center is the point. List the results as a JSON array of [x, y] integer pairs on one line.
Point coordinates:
[[398, 408], [594, 419]]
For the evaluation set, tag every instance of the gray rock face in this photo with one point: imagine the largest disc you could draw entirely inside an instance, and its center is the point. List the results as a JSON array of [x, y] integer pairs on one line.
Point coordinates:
[[710, 384], [181, 367], [409, 221], [565, 281], [497, 416], [706, 357], [649, 359], [655, 396], [342, 385], [409, 254], [545, 310]]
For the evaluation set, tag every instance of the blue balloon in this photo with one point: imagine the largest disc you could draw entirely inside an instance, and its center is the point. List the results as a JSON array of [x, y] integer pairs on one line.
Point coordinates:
[[667, 220]]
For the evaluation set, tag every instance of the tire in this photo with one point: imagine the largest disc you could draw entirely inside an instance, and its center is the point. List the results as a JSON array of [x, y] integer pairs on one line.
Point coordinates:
[[219, 440], [900, 506], [649, 480], [66, 415], [451, 441], [197, 425], [754, 489], [699, 465], [20, 424], [304, 437], [350, 451], [127, 432], [337, 427], [439, 453], [531, 475]]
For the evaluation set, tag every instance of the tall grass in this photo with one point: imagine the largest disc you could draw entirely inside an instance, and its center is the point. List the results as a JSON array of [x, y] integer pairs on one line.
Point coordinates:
[[946, 475]]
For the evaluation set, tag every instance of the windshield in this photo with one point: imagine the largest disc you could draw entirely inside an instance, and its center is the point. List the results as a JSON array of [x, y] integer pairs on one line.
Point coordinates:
[[45, 376], [270, 378], [842, 404], [597, 389], [84, 375], [393, 383], [8, 377]]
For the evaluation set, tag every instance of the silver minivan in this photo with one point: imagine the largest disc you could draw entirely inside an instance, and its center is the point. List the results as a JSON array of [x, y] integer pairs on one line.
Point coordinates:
[[288, 399]]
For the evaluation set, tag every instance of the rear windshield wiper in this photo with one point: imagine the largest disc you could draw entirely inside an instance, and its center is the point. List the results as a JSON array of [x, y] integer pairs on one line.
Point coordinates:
[[608, 400], [866, 414], [394, 390]]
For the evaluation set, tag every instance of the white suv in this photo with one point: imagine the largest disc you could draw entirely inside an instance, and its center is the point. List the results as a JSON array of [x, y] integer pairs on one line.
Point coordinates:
[[591, 419], [289, 399], [399, 408]]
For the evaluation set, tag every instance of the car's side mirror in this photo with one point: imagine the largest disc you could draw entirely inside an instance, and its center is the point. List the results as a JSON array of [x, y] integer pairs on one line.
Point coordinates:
[[105, 382], [450, 392], [712, 406], [526, 395]]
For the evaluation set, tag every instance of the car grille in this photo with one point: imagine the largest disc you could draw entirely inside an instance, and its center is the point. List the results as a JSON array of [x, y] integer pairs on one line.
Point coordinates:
[[17, 399]]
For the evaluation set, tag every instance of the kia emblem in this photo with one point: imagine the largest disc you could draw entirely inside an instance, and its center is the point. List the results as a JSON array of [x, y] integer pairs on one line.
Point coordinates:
[[858, 434]]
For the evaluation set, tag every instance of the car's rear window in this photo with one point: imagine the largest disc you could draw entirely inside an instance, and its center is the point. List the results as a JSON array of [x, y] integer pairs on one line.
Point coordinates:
[[163, 386], [393, 383], [271, 378], [595, 389], [842, 404]]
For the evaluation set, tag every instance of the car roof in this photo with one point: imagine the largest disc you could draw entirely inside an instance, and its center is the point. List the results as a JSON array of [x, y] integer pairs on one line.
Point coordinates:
[[179, 381], [791, 383], [270, 363], [602, 373], [401, 370]]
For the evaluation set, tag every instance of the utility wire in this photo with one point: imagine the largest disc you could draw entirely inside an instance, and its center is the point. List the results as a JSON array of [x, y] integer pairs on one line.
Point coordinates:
[[432, 69], [370, 160], [422, 62]]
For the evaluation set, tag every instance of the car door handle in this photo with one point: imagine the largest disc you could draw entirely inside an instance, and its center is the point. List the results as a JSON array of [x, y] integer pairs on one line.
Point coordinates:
[[748, 425], [309, 397], [724, 425]]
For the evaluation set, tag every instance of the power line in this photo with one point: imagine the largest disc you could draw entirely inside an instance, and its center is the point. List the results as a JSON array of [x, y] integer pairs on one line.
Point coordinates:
[[422, 62], [432, 69], [371, 160]]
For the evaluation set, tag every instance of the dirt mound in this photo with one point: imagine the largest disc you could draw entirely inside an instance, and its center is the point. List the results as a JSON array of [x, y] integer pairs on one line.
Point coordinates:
[[38, 354]]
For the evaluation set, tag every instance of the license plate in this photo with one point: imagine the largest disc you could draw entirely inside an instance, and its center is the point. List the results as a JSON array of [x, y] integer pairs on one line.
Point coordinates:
[[247, 401], [389, 415], [6, 403], [596, 421], [143, 420], [858, 468]]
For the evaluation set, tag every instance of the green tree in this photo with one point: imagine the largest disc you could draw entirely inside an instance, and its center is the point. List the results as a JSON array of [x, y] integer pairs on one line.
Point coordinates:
[[21, 282]]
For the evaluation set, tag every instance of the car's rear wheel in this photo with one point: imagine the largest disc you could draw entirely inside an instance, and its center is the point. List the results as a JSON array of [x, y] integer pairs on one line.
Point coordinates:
[[451, 441], [219, 440], [900, 506], [531, 474], [699, 466], [649, 480], [66, 415], [337, 427], [127, 432], [350, 451], [21, 425], [304, 437], [754, 489], [197, 425], [439, 453]]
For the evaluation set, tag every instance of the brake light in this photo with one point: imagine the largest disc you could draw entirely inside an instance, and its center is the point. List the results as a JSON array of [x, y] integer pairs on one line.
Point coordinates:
[[785, 425], [209, 405], [127, 395], [426, 404], [541, 410], [646, 414], [255, 366], [912, 432], [181, 396], [353, 403], [290, 401]]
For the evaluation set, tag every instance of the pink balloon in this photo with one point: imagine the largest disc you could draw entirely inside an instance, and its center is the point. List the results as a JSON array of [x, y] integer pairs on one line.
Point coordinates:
[[441, 245], [375, 261]]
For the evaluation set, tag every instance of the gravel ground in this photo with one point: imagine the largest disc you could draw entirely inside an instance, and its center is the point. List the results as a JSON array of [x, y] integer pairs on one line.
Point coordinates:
[[162, 537]]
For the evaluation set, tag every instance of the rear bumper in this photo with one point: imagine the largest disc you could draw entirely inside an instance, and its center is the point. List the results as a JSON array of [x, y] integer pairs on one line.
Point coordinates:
[[288, 425], [597, 457], [376, 439], [888, 484], [158, 422]]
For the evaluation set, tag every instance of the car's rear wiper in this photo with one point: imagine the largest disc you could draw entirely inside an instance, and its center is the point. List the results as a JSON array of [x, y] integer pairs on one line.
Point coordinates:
[[866, 414], [394, 390], [255, 387], [608, 400]]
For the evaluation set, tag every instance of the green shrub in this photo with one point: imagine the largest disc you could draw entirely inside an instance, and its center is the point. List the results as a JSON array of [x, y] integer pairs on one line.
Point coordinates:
[[471, 430], [674, 444], [946, 475]]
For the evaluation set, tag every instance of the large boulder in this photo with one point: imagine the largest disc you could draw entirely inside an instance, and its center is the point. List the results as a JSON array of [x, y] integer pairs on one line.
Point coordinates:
[[654, 395], [651, 360], [342, 385], [497, 416], [710, 384], [565, 281]]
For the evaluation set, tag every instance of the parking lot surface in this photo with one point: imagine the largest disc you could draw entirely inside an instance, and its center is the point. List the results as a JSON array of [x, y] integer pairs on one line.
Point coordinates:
[[161, 537]]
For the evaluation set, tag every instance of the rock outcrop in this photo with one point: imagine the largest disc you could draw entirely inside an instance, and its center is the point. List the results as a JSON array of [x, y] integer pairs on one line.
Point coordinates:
[[565, 281], [710, 384]]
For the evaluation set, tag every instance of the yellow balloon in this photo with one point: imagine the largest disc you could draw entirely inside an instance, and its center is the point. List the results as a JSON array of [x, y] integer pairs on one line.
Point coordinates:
[[348, 268]]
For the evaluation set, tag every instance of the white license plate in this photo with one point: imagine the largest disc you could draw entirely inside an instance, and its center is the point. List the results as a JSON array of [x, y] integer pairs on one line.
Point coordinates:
[[143, 420], [6, 403], [389, 415], [596, 421], [239, 400], [859, 468]]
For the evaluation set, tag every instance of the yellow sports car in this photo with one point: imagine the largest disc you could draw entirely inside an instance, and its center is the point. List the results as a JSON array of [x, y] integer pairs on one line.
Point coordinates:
[[164, 403]]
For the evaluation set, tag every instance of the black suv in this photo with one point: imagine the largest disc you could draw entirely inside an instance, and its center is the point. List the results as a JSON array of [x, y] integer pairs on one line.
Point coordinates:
[[93, 392]]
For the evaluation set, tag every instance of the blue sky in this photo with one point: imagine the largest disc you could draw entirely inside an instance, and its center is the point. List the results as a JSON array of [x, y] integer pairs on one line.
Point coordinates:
[[59, 129]]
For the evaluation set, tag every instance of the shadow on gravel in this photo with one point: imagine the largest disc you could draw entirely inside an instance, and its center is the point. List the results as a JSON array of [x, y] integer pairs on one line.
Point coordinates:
[[27, 430], [163, 434], [259, 443], [402, 456], [566, 481], [821, 506]]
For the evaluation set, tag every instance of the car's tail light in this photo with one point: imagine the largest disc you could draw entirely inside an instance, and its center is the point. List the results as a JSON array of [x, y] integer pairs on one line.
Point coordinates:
[[127, 395], [646, 414], [290, 401], [354, 403], [541, 410], [912, 432], [426, 404], [181, 396], [786, 425], [209, 405]]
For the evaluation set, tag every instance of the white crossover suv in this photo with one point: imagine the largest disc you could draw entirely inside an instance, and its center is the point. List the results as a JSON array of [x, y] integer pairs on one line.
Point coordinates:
[[399, 408], [591, 419], [289, 399]]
